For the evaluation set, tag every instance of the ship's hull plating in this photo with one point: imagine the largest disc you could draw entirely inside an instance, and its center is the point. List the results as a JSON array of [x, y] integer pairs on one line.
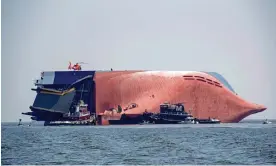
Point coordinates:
[[205, 95]]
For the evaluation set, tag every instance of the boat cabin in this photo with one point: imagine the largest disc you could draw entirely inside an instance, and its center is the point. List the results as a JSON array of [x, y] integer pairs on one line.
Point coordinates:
[[173, 111], [81, 112], [176, 109]]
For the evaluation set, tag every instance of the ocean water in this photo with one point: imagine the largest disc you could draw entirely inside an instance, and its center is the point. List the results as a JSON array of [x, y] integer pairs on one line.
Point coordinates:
[[241, 143]]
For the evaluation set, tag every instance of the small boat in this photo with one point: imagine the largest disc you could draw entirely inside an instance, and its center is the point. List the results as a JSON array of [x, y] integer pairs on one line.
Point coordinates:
[[208, 121], [267, 122], [81, 113], [188, 120], [80, 117]]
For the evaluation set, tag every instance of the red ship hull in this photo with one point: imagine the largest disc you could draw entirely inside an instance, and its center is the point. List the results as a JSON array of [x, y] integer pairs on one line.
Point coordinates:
[[203, 94]]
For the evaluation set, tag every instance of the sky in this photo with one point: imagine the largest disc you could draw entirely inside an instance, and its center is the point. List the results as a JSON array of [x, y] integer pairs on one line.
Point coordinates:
[[236, 38]]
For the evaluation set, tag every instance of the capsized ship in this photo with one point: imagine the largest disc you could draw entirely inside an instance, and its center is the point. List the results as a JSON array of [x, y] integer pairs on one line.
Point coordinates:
[[110, 94]]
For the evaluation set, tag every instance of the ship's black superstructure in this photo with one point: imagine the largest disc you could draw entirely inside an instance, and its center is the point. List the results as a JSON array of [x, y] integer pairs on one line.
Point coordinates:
[[171, 114], [59, 93]]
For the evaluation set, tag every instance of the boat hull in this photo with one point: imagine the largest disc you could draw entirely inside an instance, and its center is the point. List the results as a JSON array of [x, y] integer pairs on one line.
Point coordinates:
[[205, 94], [208, 122]]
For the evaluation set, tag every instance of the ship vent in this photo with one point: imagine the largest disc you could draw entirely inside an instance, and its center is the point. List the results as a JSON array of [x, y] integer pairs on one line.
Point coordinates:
[[199, 77], [203, 79], [188, 76], [189, 79]]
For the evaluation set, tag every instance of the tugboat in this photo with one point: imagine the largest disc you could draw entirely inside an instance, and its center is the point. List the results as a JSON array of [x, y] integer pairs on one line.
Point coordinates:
[[81, 112], [172, 114], [81, 116]]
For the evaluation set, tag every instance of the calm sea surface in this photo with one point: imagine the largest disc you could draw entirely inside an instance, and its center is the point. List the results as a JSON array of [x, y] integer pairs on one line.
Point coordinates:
[[241, 143]]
